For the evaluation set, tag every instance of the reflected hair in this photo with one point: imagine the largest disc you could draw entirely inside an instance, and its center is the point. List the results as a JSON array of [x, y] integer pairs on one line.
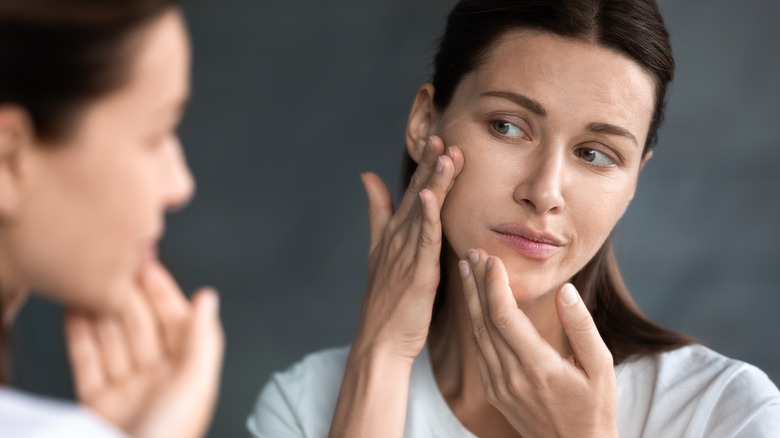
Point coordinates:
[[58, 56], [632, 28]]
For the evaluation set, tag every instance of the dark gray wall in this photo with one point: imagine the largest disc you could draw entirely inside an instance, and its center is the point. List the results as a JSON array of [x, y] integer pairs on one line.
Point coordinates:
[[292, 100]]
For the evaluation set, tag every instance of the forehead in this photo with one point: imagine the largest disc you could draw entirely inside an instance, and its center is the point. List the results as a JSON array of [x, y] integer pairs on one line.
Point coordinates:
[[160, 68], [569, 77]]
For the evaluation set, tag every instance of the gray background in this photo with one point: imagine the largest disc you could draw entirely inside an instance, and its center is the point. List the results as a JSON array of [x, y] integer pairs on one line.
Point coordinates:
[[292, 100]]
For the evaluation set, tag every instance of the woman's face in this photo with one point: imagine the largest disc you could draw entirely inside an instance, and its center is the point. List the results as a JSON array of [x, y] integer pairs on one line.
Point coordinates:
[[94, 205], [552, 132]]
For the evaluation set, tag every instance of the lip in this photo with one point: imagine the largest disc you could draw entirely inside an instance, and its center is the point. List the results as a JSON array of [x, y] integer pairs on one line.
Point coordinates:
[[149, 251], [149, 248], [528, 242]]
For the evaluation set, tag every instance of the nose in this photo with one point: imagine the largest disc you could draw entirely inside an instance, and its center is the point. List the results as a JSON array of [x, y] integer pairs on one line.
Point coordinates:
[[541, 185], [179, 183]]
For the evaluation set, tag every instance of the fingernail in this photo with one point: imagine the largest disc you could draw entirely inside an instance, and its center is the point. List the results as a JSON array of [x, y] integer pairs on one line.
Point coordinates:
[[439, 165], [210, 301], [422, 199], [473, 256], [464, 268], [449, 152], [489, 263], [569, 295], [429, 144]]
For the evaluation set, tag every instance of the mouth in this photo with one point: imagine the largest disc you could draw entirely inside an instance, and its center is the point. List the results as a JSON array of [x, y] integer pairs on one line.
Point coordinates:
[[149, 251], [530, 243]]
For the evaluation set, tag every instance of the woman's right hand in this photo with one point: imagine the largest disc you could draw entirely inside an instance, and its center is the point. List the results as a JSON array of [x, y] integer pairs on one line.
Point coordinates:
[[404, 255]]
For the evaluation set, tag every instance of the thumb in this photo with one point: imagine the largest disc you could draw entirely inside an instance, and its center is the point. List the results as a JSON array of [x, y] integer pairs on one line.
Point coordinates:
[[589, 349], [380, 205]]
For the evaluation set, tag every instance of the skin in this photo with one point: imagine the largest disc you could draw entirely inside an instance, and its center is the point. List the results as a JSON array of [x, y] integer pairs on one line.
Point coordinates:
[[540, 367], [80, 221]]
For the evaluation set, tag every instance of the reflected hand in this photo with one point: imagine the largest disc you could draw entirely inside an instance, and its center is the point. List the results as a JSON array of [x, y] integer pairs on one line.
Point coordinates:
[[404, 254], [541, 393], [152, 368]]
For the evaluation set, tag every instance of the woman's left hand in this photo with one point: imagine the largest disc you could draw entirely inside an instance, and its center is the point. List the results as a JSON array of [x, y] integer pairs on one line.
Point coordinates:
[[541, 393], [152, 367]]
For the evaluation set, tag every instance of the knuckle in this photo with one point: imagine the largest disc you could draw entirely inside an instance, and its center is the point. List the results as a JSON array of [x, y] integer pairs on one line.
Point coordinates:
[[416, 184], [481, 333], [397, 242], [582, 323], [430, 237], [504, 393], [516, 383], [539, 377], [498, 316]]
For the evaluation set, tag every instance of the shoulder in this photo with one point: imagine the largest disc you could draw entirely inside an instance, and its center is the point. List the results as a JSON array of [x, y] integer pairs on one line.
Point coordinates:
[[301, 399], [28, 416], [695, 390]]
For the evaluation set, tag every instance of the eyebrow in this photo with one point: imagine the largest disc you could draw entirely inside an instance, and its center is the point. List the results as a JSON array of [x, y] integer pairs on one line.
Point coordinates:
[[528, 103], [606, 128], [537, 108]]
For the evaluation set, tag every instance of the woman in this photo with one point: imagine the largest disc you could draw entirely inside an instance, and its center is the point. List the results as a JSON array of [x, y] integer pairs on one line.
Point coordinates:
[[495, 306], [90, 96]]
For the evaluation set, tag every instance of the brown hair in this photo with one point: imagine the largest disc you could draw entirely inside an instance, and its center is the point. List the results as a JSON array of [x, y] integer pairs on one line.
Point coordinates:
[[58, 56], [633, 28]]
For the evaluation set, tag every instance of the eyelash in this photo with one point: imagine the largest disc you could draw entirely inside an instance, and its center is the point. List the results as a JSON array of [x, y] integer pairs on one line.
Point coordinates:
[[493, 123], [612, 156]]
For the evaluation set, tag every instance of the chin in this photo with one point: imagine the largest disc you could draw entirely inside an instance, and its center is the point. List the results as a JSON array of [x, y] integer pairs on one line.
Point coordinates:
[[530, 283], [525, 291], [104, 295]]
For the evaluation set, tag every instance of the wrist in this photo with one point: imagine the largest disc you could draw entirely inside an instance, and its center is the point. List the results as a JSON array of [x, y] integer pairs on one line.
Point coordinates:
[[383, 356]]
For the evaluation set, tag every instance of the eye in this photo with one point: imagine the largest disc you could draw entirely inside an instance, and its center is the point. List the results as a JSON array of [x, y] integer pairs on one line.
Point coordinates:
[[508, 129], [595, 157]]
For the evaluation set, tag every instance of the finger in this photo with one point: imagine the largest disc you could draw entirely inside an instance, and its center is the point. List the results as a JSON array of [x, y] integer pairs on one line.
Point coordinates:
[[421, 177], [479, 328], [586, 342], [380, 205], [113, 347], [429, 248], [170, 306], [510, 321], [456, 155], [141, 329], [442, 178], [89, 375], [497, 313], [201, 365]]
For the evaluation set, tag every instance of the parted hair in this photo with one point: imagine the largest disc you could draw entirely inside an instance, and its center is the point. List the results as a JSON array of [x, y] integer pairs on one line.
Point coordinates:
[[632, 28]]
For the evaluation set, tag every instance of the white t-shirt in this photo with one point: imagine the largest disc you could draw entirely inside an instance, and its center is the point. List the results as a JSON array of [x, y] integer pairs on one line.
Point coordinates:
[[689, 392], [27, 416]]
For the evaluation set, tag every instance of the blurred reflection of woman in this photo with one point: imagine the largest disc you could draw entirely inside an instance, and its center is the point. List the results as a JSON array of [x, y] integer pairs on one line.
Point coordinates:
[[90, 96]]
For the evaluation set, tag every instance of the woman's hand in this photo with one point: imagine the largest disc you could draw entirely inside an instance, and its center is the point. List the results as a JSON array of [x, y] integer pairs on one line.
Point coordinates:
[[404, 255], [403, 276], [541, 393], [152, 368]]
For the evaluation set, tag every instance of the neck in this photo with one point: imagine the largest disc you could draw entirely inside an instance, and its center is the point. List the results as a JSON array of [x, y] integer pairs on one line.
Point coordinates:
[[12, 294], [454, 360]]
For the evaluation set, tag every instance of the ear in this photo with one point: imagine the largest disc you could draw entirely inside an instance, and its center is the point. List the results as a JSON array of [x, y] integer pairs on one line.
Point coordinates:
[[421, 121], [15, 140]]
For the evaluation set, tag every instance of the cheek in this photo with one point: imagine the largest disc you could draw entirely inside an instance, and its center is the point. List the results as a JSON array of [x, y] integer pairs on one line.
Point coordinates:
[[472, 199], [84, 233], [594, 214]]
